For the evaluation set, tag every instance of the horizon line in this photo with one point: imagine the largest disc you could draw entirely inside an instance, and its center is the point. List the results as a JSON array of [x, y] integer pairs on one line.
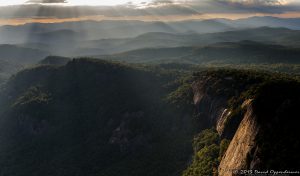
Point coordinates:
[[166, 18]]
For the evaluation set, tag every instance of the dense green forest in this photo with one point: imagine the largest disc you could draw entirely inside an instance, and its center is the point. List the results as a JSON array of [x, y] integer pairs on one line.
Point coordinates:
[[92, 117], [95, 117]]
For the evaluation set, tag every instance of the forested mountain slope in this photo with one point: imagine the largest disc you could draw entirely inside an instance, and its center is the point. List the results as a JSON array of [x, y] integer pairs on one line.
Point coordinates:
[[93, 117]]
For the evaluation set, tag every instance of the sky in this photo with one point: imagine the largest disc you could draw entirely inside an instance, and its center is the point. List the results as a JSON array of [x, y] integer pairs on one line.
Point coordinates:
[[74, 2], [17, 12]]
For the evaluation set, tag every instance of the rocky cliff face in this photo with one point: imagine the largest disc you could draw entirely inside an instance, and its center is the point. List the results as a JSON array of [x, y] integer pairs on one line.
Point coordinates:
[[209, 107], [261, 122], [267, 136], [212, 93], [241, 145]]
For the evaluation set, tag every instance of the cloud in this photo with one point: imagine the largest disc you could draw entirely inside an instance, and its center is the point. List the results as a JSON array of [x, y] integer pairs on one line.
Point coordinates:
[[37, 10], [256, 2], [258, 6], [46, 1], [155, 8], [226, 6], [242, 6], [161, 2]]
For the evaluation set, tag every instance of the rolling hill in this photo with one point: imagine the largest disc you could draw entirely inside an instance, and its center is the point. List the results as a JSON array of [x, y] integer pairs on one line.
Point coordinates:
[[72, 43], [244, 52], [54, 60], [21, 55], [14, 58], [279, 36]]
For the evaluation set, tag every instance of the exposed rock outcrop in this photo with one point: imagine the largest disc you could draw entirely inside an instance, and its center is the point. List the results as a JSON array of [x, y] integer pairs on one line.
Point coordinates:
[[241, 145], [267, 137], [208, 106], [211, 97], [221, 123]]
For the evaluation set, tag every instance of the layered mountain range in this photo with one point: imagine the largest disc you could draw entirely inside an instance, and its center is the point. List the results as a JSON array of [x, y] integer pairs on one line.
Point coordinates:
[[132, 98]]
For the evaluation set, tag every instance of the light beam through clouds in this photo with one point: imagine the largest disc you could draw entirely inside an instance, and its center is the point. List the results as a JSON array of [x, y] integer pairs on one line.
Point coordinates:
[[74, 2], [53, 11], [141, 2]]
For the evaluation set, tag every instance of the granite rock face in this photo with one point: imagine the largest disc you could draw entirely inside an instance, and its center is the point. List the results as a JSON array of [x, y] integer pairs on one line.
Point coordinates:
[[267, 136], [241, 146]]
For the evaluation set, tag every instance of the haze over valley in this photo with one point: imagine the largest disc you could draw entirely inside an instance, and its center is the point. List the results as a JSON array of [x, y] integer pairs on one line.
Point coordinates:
[[152, 88]]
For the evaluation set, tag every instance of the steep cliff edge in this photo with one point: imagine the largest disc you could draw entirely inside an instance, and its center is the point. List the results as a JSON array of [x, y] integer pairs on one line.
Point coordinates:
[[267, 136], [241, 145], [256, 111], [218, 96]]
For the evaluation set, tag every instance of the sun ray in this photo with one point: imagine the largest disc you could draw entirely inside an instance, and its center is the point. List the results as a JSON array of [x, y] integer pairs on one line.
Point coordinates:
[[76, 2]]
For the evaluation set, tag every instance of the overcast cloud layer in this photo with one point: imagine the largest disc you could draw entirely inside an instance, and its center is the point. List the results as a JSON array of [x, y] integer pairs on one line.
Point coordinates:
[[157, 7], [46, 1]]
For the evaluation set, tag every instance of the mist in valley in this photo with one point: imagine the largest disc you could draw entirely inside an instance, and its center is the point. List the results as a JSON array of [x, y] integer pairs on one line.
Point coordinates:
[[154, 88]]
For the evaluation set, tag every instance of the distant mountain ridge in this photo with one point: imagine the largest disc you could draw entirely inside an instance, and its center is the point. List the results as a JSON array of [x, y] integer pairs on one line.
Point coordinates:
[[225, 52], [54, 60], [280, 36], [87, 38], [70, 46], [21, 55], [269, 21], [126, 29]]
